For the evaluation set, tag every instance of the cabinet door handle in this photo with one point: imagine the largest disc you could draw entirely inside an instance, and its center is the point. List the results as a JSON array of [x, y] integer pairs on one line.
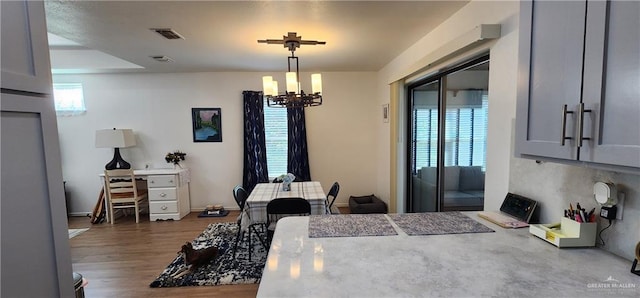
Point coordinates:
[[564, 124], [581, 112], [163, 195]]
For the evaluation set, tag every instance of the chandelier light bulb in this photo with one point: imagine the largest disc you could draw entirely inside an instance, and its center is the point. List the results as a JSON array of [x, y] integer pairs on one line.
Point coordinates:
[[292, 82], [274, 88], [267, 85], [316, 83]]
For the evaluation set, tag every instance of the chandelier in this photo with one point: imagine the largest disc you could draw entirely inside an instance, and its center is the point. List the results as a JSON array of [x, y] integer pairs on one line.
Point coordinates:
[[294, 97]]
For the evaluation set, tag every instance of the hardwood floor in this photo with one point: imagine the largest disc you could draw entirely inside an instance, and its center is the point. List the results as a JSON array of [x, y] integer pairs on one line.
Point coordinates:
[[121, 260]]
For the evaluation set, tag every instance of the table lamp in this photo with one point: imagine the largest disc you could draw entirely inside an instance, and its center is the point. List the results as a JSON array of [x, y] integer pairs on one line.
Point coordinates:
[[115, 138]]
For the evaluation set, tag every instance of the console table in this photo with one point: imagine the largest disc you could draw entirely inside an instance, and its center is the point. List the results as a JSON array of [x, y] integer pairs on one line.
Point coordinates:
[[168, 191]]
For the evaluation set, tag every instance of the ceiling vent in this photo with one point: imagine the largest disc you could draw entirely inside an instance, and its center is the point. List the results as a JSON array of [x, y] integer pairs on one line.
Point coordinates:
[[168, 33], [162, 58]]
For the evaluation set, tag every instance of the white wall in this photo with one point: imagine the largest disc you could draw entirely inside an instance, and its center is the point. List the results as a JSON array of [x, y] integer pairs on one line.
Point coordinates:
[[502, 85], [158, 108]]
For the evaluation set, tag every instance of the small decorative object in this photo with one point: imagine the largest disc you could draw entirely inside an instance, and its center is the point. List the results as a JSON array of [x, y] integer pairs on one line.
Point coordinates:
[[286, 181], [215, 209], [175, 158], [207, 124], [385, 113]]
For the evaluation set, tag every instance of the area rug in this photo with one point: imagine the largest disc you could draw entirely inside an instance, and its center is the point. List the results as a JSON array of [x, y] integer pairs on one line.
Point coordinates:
[[225, 269], [349, 225], [438, 223], [76, 232]]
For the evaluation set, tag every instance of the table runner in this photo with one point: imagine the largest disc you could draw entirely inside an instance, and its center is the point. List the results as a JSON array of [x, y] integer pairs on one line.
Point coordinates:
[[438, 223], [350, 225]]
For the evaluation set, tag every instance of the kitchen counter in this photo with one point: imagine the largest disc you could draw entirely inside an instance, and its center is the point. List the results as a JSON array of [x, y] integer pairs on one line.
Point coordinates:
[[507, 263]]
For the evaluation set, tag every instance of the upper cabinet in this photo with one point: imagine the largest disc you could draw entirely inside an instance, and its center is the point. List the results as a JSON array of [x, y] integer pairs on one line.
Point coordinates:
[[25, 50], [579, 83]]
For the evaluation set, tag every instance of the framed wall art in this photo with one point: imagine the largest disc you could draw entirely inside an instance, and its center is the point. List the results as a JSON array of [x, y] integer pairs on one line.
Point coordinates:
[[207, 124]]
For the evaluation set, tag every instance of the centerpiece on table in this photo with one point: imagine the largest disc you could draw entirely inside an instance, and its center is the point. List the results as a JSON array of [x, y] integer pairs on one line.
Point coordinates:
[[175, 158], [286, 181]]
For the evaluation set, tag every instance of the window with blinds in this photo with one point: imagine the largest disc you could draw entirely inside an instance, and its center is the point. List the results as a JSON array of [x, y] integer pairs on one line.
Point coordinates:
[[276, 137], [69, 99], [465, 136]]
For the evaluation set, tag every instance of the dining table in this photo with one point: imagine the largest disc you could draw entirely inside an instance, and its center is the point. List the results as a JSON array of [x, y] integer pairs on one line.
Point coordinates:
[[255, 209]]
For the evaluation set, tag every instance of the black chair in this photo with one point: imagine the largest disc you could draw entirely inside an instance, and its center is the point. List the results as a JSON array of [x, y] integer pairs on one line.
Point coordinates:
[[333, 192], [240, 194], [283, 207]]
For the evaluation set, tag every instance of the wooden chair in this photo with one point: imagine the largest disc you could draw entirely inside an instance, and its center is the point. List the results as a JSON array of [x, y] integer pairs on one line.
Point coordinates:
[[333, 192], [282, 207], [123, 192]]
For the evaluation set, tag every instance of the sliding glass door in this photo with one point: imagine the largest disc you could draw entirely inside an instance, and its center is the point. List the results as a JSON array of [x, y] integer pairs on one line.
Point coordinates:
[[448, 125]]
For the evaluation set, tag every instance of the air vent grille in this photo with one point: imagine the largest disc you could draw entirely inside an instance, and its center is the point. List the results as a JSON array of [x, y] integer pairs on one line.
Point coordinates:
[[161, 58], [167, 33]]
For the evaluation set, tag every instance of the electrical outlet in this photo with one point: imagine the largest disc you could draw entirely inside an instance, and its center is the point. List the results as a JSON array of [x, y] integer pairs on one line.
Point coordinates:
[[620, 205]]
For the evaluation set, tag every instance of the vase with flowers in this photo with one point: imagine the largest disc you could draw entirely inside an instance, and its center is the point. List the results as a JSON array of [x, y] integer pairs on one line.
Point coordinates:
[[175, 158], [286, 181]]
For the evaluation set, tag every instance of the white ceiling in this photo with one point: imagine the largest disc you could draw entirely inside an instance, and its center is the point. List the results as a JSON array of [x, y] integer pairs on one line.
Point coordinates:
[[222, 35]]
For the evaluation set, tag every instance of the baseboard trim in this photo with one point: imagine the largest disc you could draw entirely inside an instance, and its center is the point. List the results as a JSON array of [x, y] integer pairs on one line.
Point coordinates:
[[79, 214]]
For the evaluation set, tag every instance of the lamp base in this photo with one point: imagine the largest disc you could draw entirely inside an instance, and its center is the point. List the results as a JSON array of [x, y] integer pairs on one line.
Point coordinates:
[[117, 162]]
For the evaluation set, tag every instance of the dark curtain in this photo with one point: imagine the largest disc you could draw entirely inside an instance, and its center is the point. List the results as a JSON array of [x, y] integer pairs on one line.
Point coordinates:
[[298, 163], [255, 149]]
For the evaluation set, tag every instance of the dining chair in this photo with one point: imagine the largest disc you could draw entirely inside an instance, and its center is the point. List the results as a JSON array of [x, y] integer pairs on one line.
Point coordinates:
[[123, 192], [333, 193], [282, 207], [241, 196]]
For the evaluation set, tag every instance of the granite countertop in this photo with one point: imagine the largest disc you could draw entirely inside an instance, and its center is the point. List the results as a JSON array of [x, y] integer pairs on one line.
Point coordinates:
[[507, 263]]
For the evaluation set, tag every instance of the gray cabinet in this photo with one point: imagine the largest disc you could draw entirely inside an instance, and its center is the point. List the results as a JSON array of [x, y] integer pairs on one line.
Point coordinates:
[[579, 83], [25, 50], [35, 258]]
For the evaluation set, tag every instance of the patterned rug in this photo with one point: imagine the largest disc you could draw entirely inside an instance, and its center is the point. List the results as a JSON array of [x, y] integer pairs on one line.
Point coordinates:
[[438, 223], [349, 225], [224, 270]]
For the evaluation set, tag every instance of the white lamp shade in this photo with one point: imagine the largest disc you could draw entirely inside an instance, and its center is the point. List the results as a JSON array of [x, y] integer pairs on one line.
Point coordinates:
[[115, 138], [274, 88], [292, 82], [267, 85], [316, 83]]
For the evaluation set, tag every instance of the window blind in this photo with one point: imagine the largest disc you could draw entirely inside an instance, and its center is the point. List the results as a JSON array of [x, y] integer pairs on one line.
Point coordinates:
[[276, 138], [68, 99], [465, 136]]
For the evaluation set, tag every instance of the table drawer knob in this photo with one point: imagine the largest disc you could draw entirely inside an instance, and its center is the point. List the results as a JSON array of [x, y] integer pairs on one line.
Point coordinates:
[[170, 181], [163, 207]]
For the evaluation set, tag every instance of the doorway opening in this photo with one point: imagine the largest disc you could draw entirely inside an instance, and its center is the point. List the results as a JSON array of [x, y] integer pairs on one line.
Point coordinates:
[[447, 139]]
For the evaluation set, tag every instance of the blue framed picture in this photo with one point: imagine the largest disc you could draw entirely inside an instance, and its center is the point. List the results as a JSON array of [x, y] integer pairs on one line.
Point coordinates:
[[207, 124]]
